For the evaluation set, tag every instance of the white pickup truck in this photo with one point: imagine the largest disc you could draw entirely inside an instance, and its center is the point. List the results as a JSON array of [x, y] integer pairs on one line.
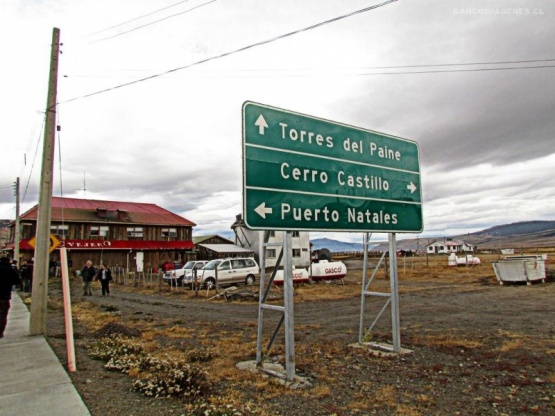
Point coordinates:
[[184, 275]]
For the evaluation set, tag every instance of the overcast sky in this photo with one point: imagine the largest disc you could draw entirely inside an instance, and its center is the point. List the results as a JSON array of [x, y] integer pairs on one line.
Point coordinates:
[[447, 74]]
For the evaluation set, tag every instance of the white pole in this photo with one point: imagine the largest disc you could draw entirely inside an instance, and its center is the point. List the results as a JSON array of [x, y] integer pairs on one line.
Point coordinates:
[[67, 311]]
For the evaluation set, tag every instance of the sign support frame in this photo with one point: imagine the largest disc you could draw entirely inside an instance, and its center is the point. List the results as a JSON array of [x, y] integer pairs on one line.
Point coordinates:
[[392, 297], [287, 310], [306, 173]]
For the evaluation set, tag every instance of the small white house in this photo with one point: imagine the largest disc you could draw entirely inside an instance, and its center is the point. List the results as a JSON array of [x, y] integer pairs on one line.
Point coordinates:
[[450, 246]]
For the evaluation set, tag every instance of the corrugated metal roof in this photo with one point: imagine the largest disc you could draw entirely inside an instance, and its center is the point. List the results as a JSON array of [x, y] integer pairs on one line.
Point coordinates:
[[226, 248], [200, 238], [85, 210]]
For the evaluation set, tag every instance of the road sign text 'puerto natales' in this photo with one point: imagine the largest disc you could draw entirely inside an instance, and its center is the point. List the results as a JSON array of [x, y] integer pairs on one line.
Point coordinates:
[[306, 173]]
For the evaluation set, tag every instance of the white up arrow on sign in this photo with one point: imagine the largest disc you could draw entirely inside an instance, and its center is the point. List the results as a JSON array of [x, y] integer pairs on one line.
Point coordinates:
[[261, 123], [262, 210]]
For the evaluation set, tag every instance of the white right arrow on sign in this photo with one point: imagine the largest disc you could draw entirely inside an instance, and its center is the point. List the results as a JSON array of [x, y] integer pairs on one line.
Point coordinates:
[[412, 187]]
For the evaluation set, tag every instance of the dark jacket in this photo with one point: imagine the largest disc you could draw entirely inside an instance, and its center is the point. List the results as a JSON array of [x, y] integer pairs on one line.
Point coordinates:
[[88, 273], [107, 275], [27, 271], [8, 278]]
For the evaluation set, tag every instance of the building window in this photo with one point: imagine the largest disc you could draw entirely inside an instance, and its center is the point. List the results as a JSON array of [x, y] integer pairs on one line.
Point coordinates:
[[134, 232], [60, 230], [26, 230], [295, 234], [169, 233], [271, 253], [99, 231], [272, 234], [296, 252]]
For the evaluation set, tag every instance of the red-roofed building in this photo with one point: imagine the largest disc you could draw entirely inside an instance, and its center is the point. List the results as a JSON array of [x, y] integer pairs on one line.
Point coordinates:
[[118, 233]]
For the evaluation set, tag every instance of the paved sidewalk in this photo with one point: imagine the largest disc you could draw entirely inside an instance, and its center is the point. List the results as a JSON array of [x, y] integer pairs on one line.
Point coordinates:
[[32, 379]]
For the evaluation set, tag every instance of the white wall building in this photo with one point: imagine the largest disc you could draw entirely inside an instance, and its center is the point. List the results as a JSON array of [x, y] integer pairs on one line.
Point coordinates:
[[251, 239]]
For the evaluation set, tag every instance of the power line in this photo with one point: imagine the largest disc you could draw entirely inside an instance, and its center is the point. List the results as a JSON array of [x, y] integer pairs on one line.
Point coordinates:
[[156, 21], [244, 48], [138, 18], [458, 70], [250, 71], [6, 186], [462, 64], [34, 159]]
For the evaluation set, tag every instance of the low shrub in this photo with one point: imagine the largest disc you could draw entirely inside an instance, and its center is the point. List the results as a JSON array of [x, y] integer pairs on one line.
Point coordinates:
[[156, 377]]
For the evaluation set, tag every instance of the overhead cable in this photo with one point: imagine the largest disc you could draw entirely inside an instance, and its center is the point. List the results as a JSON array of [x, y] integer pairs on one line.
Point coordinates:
[[394, 67], [156, 21], [458, 70], [34, 160], [138, 18], [462, 64], [242, 49]]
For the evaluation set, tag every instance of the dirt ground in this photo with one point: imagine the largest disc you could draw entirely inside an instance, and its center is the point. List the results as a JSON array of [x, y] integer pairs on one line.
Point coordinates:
[[477, 348]]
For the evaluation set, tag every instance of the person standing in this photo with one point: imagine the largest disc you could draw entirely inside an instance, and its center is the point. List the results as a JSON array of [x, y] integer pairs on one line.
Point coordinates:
[[105, 276], [27, 276], [87, 273], [14, 266], [8, 278]]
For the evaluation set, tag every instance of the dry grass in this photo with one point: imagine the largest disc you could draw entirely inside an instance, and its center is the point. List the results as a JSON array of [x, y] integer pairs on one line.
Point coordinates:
[[446, 340], [232, 347], [88, 314], [515, 341], [386, 395], [404, 410], [426, 271]]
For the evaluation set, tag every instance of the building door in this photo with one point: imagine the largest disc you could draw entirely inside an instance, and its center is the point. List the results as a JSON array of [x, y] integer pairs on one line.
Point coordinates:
[[139, 261]]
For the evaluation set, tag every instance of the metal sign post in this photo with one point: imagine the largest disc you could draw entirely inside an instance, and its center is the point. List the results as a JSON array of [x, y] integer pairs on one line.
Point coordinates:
[[392, 298], [394, 288], [288, 316], [288, 303]]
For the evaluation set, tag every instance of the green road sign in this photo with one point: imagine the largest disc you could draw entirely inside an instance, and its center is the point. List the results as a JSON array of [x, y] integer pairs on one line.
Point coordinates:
[[306, 173]]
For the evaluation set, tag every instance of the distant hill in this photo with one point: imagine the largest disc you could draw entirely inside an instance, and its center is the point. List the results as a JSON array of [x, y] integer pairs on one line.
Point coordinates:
[[335, 246], [519, 228], [525, 234], [515, 235]]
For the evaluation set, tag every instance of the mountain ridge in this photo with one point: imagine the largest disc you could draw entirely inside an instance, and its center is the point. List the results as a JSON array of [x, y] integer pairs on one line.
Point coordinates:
[[523, 234], [335, 246]]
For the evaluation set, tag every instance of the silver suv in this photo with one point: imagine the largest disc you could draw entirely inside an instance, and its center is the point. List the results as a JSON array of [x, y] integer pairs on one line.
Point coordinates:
[[229, 271]]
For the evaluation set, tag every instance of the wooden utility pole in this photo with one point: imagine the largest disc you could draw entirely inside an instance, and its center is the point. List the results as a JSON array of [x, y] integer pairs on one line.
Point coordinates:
[[39, 297]]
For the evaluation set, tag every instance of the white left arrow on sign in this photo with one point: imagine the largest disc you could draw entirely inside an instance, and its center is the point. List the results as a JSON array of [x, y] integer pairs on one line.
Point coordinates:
[[261, 123], [262, 210]]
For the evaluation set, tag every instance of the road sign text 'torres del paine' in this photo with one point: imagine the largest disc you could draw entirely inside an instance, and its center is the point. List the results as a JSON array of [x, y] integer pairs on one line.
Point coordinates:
[[306, 173]]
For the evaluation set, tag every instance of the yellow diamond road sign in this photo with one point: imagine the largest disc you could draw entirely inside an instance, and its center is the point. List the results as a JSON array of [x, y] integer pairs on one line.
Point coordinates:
[[54, 242]]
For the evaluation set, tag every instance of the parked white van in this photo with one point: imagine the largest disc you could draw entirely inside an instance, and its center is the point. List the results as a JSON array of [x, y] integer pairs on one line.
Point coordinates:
[[229, 271], [183, 275]]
